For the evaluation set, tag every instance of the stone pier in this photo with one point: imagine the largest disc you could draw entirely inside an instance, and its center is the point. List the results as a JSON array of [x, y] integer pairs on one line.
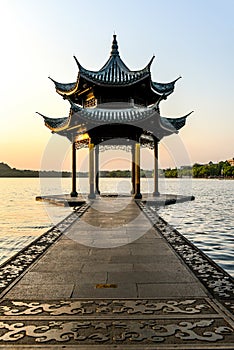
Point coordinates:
[[114, 275]]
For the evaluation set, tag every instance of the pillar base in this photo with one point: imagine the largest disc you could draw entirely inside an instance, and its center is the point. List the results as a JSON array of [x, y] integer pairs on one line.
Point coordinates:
[[156, 194], [138, 196], [92, 196], [74, 194]]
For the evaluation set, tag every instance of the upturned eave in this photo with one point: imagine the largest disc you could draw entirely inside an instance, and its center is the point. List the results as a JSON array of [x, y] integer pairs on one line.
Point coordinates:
[[65, 88], [56, 124], [164, 88], [177, 123]]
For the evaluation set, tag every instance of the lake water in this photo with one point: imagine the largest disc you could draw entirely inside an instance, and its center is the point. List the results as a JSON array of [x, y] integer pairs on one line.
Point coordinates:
[[207, 222]]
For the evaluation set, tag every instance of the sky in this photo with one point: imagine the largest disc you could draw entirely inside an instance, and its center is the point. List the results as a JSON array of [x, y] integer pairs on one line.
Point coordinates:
[[193, 39]]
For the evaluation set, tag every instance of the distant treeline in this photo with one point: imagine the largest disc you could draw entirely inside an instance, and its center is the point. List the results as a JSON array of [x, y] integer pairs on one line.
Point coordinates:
[[7, 171], [124, 173], [210, 170]]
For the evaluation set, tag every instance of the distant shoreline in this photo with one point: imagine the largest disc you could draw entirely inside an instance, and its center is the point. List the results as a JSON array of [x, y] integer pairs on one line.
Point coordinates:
[[221, 170], [116, 177]]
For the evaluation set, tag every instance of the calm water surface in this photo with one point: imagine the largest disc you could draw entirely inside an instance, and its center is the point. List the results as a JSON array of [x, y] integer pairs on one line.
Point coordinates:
[[208, 221]]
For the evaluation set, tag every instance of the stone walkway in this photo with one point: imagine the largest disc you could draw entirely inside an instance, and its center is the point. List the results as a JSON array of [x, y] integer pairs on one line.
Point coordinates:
[[112, 281]]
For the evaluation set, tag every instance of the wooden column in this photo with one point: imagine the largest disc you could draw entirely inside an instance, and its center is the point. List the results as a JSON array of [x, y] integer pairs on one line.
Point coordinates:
[[97, 169], [133, 170], [74, 193], [156, 192], [91, 171], [137, 172]]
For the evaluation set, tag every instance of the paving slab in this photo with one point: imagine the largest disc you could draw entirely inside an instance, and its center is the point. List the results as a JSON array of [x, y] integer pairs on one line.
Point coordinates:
[[104, 266], [141, 259], [45, 290], [126, 290], [63, 277], [167, 289], [61, 266]]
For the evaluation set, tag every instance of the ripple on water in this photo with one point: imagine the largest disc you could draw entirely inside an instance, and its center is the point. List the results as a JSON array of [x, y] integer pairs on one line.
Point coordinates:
[[9, 245], [208, 221]]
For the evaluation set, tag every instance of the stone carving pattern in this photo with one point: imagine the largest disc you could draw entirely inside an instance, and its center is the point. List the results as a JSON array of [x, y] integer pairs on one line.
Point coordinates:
[[213, 277], [18, 263], [229, 305], [112, 331], [83, 307]]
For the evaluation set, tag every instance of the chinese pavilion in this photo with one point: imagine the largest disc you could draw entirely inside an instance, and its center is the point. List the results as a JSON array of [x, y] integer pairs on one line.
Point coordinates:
[[115, 107]]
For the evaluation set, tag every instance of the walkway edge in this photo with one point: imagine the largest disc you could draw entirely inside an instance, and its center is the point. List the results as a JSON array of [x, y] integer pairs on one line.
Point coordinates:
[[13, 268], [217, 281]]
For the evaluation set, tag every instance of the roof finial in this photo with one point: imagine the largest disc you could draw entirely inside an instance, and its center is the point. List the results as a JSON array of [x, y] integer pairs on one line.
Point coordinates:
[[114, 48]]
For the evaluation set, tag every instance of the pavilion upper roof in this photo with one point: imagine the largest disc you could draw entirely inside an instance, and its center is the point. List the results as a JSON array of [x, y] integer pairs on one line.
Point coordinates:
[[115, 73]]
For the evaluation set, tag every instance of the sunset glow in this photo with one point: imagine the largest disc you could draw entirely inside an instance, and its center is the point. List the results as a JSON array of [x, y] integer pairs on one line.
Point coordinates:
[[193, 39]]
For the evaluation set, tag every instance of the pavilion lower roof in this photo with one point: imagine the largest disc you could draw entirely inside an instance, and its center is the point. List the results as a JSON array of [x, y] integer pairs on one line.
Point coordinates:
[[82, 118], [103, 115], [54, 123]]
